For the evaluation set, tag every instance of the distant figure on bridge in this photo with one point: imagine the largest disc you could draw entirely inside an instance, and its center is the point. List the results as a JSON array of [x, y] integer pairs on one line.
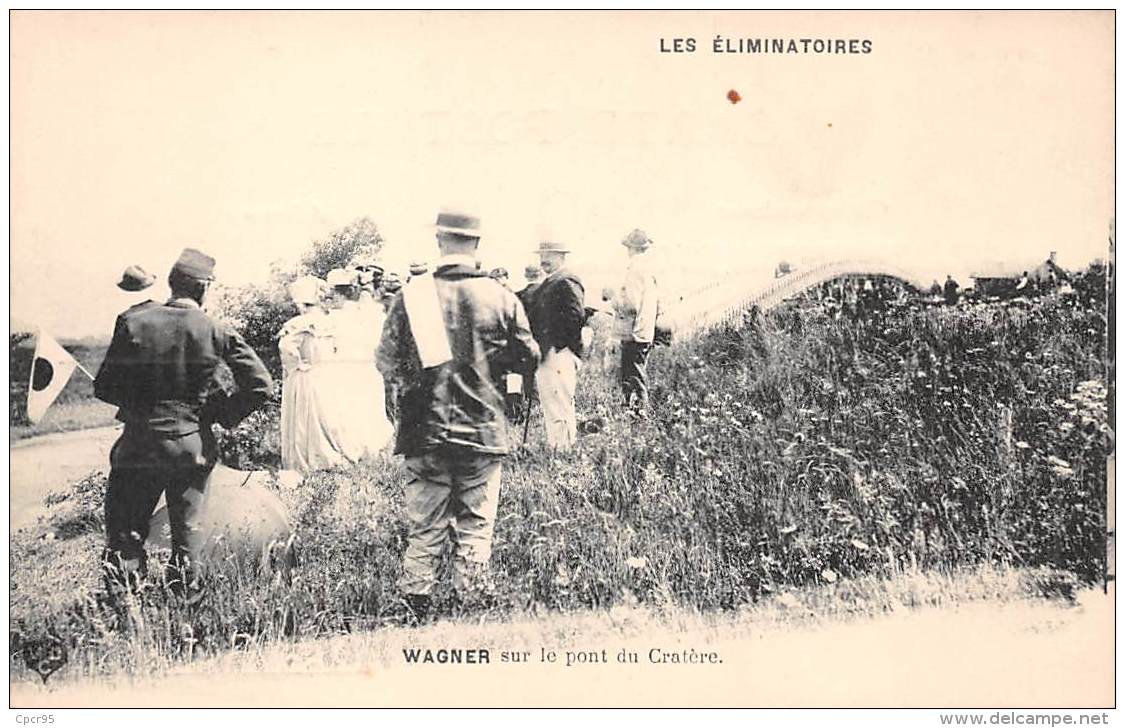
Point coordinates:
[[636, 308], [951, 291]]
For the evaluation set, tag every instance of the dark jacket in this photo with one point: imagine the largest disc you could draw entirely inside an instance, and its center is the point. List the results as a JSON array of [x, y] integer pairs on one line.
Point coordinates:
[[458, 404], [526, 295], [558, 312], [160, 370]]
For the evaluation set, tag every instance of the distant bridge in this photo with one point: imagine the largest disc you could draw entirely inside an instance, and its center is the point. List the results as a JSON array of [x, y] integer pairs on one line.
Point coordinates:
[[728, 299]]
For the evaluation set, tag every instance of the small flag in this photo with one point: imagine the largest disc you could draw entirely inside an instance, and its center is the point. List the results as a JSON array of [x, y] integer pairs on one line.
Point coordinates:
[[50, 371]]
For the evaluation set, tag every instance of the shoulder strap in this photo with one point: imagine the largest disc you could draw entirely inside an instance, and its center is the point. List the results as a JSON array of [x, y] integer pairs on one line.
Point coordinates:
[[423, 312]]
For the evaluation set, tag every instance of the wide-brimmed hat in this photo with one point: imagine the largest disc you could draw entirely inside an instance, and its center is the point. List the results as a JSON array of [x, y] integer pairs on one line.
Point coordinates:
[[418, 269], [305, 290], [195, 264], [550, 246], [135, 278], [341, 277], [458, 223], [637, 239]]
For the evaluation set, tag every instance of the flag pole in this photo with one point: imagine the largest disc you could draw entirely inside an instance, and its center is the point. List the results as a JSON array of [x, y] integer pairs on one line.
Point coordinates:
[[82, 368]]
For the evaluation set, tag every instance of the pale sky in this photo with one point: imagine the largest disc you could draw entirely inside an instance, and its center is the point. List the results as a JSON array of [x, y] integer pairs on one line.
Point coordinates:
[[961, 139]]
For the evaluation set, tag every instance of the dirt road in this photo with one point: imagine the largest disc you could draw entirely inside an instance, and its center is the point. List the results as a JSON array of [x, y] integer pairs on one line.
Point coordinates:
[[40, 465]]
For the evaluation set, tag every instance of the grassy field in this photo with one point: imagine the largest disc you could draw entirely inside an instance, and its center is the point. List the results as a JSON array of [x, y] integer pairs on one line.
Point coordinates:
[[801, 452]]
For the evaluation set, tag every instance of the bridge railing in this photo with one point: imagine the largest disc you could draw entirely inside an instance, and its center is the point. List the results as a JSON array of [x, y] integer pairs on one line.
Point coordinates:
[[728, 300]]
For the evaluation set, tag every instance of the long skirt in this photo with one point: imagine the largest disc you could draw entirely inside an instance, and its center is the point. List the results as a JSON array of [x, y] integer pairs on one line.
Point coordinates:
[[309, 439], [360, 412]]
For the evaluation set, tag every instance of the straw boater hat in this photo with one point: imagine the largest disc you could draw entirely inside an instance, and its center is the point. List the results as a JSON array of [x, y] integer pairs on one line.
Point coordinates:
[[637, 239], [458, 223], [341, 277], [365, 258], [305, 290], [135, 278], [418, 269], [549, 246]]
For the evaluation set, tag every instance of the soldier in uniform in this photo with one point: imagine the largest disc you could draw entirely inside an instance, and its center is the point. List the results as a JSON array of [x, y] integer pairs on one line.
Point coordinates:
[[448, 342], [160, 371]]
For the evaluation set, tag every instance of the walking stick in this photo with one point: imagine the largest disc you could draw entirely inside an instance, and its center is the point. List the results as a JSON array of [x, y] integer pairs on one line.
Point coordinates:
[[526, 421]]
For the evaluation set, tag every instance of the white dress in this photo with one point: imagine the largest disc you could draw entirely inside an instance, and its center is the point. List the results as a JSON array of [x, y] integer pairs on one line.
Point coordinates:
[[357, 383], [309, 440]]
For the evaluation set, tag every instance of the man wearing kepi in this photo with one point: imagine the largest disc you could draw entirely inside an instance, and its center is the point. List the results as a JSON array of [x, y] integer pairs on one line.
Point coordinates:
[[160, 371], [636, 308], [449, 339], [558, 314]]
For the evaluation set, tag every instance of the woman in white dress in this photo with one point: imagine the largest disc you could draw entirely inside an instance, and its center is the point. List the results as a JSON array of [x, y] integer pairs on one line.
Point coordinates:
[[309, 440], [360, 396]]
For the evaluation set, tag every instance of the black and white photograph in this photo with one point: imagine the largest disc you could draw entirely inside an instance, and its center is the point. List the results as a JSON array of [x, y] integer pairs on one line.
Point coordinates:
[[560, 359]]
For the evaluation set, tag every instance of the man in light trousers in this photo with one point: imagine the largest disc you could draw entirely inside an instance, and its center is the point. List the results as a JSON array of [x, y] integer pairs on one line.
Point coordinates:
[[557, 317]]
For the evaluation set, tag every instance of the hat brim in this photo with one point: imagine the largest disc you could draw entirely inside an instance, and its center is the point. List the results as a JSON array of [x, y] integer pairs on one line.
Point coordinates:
[[540, 251], [463, 232], [134, 286]]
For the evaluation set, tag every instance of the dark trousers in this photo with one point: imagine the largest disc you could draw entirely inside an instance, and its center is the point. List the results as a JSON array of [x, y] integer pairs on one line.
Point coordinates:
[[142, 466], [634, 375]]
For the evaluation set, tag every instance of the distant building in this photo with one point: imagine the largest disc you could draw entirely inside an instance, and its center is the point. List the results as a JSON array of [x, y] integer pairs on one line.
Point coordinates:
[[1001, 279]]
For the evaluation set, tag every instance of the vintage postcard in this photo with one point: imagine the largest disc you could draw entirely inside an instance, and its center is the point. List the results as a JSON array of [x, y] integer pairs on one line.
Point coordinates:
[[562, 359]]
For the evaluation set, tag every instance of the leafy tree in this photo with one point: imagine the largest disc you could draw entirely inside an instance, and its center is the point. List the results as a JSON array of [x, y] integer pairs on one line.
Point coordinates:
[[338, 248]]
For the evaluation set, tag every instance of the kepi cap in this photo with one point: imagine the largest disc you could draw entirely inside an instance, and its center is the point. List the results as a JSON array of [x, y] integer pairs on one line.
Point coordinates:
[[195, 264], [135, 278]]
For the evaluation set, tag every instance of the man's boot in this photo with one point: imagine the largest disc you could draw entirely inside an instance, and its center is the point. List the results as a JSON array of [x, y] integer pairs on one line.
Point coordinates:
[[417, 608]]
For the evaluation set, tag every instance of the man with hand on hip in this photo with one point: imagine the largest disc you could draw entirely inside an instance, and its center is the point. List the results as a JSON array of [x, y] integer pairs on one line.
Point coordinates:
[[557, 317]]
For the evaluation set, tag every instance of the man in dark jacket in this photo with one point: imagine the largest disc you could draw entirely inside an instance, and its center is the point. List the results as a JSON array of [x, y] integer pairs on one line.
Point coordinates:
[[160, 371], [525, 392], [448, 342], [558, 314]]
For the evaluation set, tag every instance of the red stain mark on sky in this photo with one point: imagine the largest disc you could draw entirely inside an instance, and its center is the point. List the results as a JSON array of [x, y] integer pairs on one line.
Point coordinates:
[[733, 97]]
